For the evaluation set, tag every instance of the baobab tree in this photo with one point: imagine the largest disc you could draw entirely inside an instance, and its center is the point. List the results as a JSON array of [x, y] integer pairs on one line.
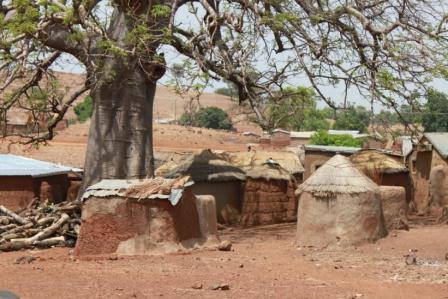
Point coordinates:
[[387, 50]]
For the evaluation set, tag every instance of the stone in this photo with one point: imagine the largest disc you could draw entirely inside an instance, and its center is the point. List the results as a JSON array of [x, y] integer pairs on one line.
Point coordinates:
[[220, 286], [26, 259], [446, 256], [225, 245], [197, 286], [411, 260]]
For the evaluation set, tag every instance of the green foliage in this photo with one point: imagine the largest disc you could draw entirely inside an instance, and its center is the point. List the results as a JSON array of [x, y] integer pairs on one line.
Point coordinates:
[[388, 117], [230, 90], [353, 118], [322, 137], [209, 117], [435, 117], [84, 110], [296, 110]]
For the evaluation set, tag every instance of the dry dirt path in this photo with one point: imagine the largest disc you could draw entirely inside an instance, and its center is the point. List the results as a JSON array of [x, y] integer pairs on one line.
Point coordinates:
[[264, 264]]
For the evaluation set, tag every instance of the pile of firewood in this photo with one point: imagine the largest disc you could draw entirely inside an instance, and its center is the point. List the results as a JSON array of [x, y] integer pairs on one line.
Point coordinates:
[[43, 226]]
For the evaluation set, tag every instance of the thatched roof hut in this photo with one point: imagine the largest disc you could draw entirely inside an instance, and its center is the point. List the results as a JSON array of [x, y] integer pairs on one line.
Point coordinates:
[[383, 170], [214, 176], [268, 196], [207, 166], [338, 204]]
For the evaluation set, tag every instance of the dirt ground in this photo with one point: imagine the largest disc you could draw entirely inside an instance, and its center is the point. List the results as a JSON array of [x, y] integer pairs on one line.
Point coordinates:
[[263, 264]]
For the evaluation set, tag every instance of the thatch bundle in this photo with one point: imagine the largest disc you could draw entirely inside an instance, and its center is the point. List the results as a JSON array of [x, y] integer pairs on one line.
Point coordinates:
[[337, 176], [207, 166], [269, 172], [372, 161], [247, 160]]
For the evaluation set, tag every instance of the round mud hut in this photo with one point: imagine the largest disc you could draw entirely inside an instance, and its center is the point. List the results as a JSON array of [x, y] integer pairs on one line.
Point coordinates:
[[212, 175], [134, 217], [268, 196], [339, 205], [383, 170]]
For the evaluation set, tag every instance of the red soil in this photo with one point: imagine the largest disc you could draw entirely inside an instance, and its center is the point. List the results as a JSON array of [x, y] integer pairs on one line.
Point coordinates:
[[264, 264]]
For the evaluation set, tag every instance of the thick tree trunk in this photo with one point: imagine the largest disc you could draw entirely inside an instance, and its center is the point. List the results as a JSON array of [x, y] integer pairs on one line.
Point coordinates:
[[120, 137]]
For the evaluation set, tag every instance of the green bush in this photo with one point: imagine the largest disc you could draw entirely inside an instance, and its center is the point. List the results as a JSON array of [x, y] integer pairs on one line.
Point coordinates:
[[209, 117], [322, 137], [84, 110]]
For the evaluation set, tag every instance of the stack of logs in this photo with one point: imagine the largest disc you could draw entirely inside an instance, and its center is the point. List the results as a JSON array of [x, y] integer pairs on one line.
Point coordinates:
[[42, 226]]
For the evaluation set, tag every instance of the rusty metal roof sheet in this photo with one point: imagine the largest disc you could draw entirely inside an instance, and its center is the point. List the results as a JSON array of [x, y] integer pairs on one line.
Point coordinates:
[[107, 188]]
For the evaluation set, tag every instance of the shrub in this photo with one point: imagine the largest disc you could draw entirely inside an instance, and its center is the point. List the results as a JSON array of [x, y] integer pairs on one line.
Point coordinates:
[[323, 138], [209, 117]]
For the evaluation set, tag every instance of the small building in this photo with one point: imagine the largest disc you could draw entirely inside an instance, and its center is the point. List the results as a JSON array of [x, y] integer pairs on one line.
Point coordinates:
[[317, 155], [430, 151], [215, 176], [268, 196], [339, 205], [383, 170], [24, 180], [140, 217]]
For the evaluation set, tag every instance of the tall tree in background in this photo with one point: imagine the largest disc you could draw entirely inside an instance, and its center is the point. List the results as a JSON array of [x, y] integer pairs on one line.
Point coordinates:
[[353, 118], [387, 50], [435, 116]]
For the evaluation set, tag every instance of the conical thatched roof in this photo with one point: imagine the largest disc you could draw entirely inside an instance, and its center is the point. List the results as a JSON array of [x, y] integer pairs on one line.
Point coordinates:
[[375, 161], [269, 172], [337, 176], [207, 166], [247, 160]]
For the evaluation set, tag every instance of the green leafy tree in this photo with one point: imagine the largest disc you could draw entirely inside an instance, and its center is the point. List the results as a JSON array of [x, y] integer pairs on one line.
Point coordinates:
[[322, 137], [295, 109], [435, 116], [390, 49], [353, 118], [84, 109], [208, 117]]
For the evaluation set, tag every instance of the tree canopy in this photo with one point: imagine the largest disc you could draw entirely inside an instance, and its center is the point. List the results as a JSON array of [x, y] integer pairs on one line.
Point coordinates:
[[353, 118], [435, 116]]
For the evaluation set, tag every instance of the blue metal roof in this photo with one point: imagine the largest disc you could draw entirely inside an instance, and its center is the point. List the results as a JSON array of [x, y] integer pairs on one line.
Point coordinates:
[[331, 148], [439, 141], [11, 165]]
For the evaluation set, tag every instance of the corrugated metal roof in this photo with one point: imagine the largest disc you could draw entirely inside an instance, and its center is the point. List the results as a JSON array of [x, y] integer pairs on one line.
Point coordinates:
[[439, 141], [331, 148], [12, 165]]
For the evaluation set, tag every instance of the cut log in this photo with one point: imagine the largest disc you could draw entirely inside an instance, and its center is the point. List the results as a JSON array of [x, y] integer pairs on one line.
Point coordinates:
[[19, 229], [55, 241], [48, 232], [10, 213]]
